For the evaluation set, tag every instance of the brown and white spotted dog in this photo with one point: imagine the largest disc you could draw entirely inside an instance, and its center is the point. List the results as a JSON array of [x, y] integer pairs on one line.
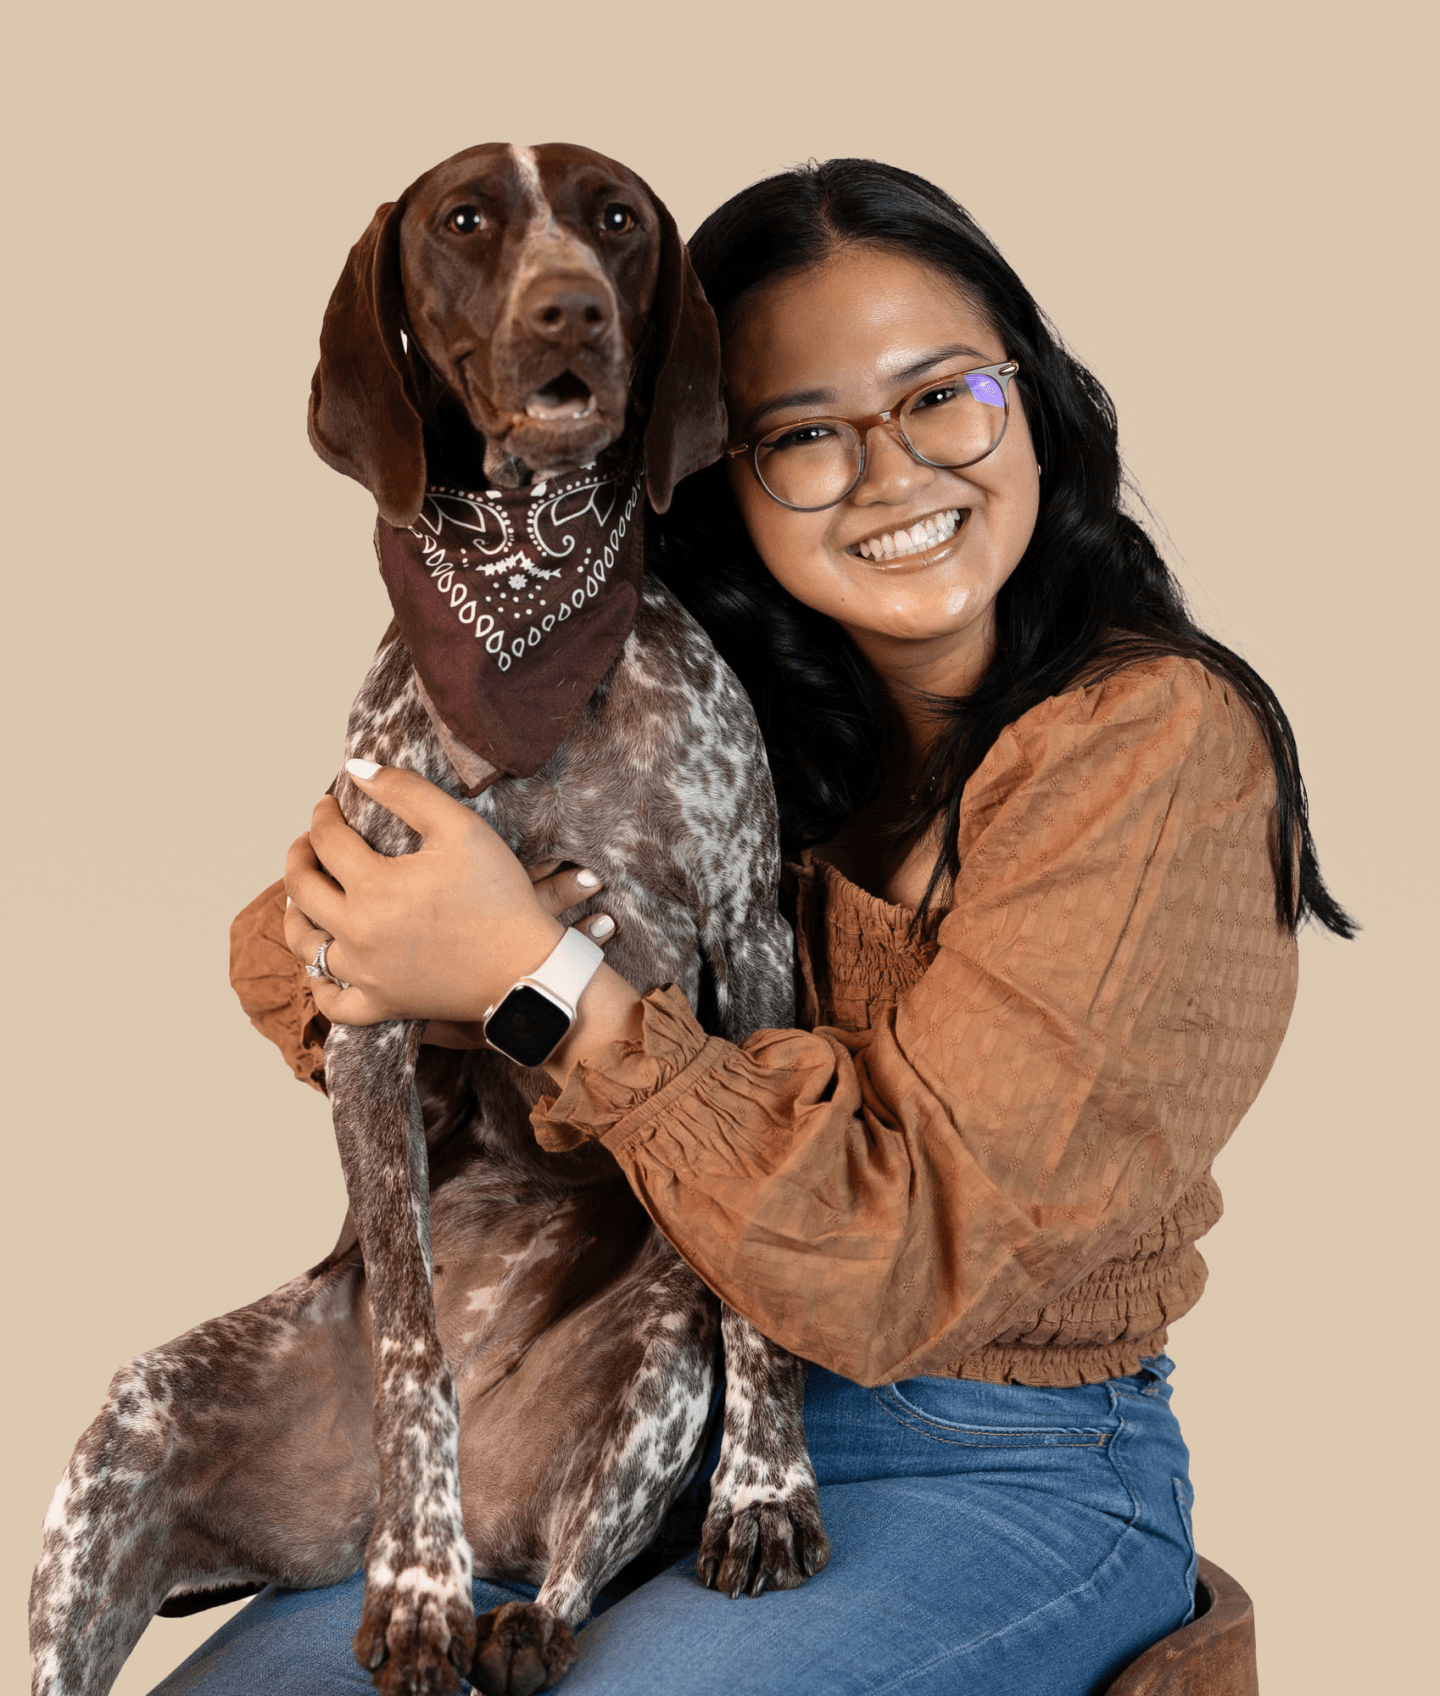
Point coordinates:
[[503, 1366]]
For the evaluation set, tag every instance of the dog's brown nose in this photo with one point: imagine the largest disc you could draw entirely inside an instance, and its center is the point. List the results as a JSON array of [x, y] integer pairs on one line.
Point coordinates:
[[572, 308]]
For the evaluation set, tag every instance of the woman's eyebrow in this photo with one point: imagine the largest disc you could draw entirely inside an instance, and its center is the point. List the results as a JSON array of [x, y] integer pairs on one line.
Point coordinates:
[[824, 397], [921, 366], [799, 397]]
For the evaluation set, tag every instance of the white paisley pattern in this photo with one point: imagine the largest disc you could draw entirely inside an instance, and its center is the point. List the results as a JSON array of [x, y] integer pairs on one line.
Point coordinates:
[[512, 590]]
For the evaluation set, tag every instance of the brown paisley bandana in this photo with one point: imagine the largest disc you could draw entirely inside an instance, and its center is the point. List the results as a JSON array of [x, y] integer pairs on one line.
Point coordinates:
[[515, 604]]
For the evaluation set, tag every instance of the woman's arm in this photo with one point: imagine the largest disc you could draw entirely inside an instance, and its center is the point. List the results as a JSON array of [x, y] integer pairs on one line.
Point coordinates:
[[1109, 993]]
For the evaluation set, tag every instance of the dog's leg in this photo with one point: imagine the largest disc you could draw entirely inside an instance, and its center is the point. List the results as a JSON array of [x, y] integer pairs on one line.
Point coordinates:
[[417, 1627], [200, 1472], [103, 1569], [617, 1489], [763, 1529]]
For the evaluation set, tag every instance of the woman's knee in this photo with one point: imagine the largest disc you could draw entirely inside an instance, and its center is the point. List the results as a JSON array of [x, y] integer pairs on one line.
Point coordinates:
[[296, 1643]]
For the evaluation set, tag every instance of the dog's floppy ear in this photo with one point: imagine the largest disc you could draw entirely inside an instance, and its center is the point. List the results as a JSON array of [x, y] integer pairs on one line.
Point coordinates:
[[686, 427], [363, 419]]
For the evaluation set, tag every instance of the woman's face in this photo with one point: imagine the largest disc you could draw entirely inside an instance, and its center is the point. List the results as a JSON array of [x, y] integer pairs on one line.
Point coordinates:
[[851, 337]]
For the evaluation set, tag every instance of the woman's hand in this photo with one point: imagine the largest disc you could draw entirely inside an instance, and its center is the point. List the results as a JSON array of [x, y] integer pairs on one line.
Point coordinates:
[[439, 934], [559, 891]]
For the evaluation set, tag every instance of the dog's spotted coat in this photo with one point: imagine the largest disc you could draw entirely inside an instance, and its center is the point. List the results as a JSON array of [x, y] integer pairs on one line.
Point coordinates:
[[516, 1376]]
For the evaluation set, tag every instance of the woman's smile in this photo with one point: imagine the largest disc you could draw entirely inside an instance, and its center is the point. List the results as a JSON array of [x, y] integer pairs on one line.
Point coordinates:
[[923, 542]]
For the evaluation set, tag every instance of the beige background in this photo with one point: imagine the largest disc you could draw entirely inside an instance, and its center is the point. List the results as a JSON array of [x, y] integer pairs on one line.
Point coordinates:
[[1224, 213]]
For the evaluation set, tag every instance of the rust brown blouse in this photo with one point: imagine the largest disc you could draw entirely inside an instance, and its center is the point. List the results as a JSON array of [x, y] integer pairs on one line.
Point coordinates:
[[988, 1157]]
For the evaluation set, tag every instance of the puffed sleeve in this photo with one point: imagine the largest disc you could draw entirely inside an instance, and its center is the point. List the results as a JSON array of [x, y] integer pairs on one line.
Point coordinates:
[[273, 988], [1108, 994]]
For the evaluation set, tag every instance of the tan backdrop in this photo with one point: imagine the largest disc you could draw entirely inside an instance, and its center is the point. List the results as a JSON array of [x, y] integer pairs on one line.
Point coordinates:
[[1221, 208]]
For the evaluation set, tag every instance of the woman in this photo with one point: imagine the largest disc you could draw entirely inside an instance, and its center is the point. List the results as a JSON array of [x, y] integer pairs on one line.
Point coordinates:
[[1052, 851]]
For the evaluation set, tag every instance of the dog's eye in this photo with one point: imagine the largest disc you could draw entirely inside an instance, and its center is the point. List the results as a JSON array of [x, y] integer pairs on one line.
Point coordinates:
[[617, 220], [465, 220]]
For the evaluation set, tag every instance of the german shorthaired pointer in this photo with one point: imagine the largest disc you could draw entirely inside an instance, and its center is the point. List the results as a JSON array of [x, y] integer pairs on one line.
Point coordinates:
[[502, 1363]]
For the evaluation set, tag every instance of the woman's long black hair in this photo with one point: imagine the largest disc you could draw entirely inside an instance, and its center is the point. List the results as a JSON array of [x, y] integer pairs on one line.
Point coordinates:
[[1090, 595]]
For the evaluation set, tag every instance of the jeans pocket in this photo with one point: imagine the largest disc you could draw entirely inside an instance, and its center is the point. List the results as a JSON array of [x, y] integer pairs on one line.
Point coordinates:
[[992, 1416], [1015, 1444]]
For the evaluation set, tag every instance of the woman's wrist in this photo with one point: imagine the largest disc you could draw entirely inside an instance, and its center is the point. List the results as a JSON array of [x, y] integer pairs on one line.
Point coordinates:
[[608, 1011], [526, 951]]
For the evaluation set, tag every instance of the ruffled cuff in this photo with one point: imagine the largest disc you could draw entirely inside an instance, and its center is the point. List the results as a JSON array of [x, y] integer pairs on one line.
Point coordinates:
[[273, 989], [608, 1099]]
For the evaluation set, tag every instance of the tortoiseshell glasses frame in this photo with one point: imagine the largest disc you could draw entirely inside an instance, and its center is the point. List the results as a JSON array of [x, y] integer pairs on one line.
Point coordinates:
[[853, 433]]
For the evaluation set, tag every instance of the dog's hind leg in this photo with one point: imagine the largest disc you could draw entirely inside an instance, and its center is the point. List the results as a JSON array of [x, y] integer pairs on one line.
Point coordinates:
[[104, 1569], [763, 1529], [239, 1453], [417, 1625]]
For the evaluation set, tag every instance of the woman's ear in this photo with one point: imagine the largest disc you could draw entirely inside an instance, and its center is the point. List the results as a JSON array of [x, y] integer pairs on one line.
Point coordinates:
[[686, 426], [363, 419]]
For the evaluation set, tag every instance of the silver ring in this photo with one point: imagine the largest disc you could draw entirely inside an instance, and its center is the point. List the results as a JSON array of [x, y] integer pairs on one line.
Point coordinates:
[[318, 969]]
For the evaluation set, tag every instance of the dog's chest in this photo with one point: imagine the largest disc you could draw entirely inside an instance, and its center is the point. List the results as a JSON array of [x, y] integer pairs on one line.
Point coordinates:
[[648, 784]]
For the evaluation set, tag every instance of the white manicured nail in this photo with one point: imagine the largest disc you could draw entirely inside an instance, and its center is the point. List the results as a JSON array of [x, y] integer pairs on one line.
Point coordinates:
[[602, 926], [287, 900], [588, 879], [362, 768]]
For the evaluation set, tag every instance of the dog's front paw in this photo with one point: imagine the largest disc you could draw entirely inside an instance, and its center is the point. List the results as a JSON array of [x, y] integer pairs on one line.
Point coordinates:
[[417, 1632], [520, 1648], [762, 1540]]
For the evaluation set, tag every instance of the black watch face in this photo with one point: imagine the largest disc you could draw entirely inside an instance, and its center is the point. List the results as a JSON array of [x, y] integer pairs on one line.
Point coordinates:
[[526, 1026]]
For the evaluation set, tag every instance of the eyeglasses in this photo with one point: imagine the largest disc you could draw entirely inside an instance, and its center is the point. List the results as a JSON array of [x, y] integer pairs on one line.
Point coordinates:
[[948, 422]]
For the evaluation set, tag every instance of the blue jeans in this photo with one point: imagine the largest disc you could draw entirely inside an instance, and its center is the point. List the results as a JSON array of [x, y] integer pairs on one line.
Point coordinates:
[[986, 1537]]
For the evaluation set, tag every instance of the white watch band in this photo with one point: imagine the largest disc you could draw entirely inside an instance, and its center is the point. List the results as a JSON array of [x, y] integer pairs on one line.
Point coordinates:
[[568, 967]]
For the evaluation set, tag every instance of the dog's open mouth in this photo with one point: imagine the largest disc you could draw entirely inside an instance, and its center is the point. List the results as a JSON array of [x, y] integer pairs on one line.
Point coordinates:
[[563, 398]]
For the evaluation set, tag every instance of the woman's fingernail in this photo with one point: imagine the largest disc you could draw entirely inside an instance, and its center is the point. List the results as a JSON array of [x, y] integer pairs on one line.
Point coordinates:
[[287, 900], [602, 926], [362, 768], [588, 879]]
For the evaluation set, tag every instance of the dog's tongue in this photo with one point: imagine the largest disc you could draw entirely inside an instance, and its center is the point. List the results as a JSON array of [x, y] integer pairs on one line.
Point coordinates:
[[566, 396]]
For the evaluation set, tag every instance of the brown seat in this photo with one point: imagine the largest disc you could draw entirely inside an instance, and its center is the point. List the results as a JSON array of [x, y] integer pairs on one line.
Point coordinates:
[[1212, 1656]]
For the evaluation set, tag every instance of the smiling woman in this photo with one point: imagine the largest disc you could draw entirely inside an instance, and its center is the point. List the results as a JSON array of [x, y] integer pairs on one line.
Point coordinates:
[[905, 554], [1048, 853]]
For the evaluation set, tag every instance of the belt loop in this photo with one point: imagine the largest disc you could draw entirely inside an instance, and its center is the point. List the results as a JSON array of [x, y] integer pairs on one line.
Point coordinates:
[[1155, 1369]]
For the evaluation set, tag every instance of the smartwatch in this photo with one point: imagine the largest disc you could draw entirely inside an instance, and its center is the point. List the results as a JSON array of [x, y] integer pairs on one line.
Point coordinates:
[[529, 1023]]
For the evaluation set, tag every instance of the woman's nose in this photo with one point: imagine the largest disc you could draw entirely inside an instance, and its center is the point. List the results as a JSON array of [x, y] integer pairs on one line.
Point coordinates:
[[891, 474]]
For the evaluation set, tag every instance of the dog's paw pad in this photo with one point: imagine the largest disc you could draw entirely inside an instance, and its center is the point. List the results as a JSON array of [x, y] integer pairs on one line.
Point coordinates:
[[767, 1545], [520, 1648]]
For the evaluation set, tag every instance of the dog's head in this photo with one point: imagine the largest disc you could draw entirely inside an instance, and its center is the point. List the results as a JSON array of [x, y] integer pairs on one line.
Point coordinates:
[[540, 298]]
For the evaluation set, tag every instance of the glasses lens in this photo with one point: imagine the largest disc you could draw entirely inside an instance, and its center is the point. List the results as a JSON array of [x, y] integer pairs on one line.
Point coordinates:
[[957, 420], [811, 464]]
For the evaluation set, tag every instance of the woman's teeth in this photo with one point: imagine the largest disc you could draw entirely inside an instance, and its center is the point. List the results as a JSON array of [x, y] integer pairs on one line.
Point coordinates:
[[928, 533]]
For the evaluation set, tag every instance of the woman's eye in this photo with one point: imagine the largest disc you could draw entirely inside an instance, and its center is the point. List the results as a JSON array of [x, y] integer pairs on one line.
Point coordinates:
[[938, 396], [617, 220], [802, 436], [465, 220]]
